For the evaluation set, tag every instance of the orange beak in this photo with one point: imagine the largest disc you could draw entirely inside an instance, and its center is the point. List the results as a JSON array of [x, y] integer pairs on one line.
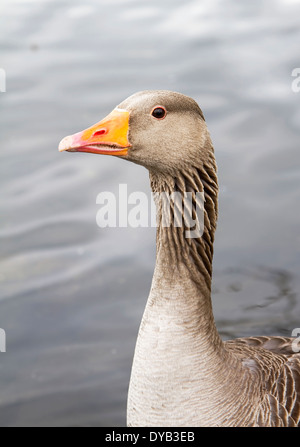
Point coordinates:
[[109, 136]]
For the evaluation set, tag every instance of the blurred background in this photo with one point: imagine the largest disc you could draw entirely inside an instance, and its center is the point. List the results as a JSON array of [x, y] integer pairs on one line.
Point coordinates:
[[72, 294]]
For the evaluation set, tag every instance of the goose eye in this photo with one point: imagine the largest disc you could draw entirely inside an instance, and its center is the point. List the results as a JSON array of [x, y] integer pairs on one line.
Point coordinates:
[[159, 112]]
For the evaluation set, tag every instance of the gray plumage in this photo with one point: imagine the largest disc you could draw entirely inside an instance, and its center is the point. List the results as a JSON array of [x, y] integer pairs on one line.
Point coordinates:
[[183, 374]]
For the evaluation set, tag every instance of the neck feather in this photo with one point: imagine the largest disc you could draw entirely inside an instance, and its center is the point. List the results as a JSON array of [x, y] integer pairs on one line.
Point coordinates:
[[180, 361], [185, 225]]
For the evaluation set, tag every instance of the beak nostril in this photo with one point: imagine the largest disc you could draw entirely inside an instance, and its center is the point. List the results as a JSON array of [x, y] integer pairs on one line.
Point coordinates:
[[100, 132]]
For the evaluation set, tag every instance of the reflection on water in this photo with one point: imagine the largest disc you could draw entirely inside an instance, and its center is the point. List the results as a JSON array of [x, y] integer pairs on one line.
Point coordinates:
[[283, 291], [273, 308], [72, 294]]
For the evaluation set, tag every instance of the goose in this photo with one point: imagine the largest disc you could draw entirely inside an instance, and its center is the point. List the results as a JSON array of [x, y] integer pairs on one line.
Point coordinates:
[[183, 373]]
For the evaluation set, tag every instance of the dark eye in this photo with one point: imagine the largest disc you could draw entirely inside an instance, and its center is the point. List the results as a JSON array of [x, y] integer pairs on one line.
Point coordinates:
[[159, 112]]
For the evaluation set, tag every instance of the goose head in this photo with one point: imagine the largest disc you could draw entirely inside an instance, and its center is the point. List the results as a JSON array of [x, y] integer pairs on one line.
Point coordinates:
[[161, 130]]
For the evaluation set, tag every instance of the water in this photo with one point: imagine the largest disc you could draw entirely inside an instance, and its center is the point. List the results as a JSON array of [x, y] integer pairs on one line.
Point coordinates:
[[72, 294]]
